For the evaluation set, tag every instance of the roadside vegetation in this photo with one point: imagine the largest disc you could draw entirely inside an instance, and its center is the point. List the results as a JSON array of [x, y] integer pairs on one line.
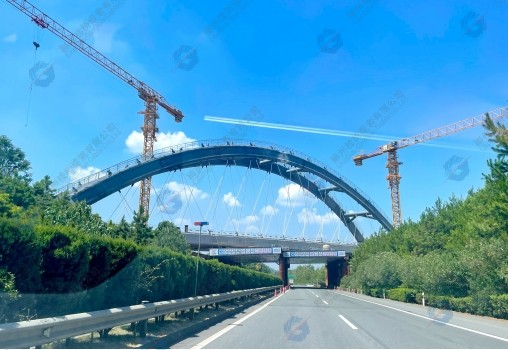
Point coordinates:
[[58, 257], [456, 253], [309, 274]]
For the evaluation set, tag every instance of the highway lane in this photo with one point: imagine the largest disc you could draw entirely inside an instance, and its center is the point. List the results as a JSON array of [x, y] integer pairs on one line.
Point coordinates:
[[314, 318]]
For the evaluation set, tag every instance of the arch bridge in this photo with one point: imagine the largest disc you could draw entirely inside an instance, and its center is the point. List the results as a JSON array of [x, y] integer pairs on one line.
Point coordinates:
[[281, 161]]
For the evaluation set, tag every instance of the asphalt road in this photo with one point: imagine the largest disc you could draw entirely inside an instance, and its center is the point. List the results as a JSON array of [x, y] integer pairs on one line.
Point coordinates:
[[316, 318]]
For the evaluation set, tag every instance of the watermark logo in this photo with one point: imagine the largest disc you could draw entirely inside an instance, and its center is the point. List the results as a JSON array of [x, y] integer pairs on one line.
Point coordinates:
[[456, 168], [329, 41], [90, 153], [296, 329], [185, 57], [442, 316], [42, 74], [473, 24], [170, 202], [361, 8], [375, 122]]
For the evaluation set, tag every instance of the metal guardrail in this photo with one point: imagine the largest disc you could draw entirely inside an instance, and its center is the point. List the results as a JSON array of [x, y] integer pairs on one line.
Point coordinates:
[[26, 334]]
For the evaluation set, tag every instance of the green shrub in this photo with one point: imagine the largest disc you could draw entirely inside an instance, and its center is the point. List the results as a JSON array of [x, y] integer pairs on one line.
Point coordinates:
[[66, 258], [485, 305], [462, 304], [407, 295], [69, 271], [21, 254], [500, 306], [440, 302]]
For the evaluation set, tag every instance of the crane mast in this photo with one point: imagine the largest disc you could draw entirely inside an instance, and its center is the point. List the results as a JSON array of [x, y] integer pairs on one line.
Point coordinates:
[[392, 148], [150, 97]]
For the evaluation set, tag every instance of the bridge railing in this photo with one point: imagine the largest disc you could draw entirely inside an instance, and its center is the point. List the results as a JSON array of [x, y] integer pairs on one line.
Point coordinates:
[[27, 334], [162, 152], [266, 237]]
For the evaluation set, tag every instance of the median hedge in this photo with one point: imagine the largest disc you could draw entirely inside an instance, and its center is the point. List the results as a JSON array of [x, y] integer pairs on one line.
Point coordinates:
[[60, 270], [479, 304]]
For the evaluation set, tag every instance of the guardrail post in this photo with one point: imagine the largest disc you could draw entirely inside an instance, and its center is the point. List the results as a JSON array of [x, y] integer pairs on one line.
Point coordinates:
[[142, 328], [133, 328], [103, 333], [143, 324]]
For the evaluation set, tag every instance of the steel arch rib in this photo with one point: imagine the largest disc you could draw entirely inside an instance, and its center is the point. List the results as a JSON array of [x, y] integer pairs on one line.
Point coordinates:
[[98, 186]]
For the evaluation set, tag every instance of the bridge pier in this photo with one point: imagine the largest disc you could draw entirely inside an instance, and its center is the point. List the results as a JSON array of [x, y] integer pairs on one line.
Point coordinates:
[[283, 269], [334, 271], [331, 273]]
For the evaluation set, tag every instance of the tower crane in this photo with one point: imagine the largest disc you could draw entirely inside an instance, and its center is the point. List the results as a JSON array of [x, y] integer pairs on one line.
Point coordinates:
[[151, 97], [392, 148]]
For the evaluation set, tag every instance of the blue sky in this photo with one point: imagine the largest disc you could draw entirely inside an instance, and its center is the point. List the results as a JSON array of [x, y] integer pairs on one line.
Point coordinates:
[[318, 64]]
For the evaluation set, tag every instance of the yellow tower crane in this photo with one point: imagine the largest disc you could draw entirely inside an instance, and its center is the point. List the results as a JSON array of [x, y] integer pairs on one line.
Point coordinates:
[[392, 148], [151, 97]]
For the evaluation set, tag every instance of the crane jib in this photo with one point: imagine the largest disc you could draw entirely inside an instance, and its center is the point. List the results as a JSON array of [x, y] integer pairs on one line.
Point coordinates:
[[149, 95]]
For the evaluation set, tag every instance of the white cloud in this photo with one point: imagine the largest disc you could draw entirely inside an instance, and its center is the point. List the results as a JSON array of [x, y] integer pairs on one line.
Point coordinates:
[[103, 38], [134, 141], [248, 220], [268, 210], [307, 216], [291, 195], [252, 229], [78, 172], [185, 192], [11, 38], [230, 200], [246, 224], [181, 222], [169, 201]]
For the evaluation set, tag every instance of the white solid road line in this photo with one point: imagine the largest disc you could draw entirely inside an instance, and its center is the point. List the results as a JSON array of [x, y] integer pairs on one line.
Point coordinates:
[[324, 301], [347, 322], [231, 326], [429, 318]]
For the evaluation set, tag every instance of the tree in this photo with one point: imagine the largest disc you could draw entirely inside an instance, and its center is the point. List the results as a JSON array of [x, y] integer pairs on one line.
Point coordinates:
[[260, 267], [62, 211], [122, 230], [142, 233], [497, 180], [307, 274], [7, 208], [169, 236], [8, 294], [19, 190], [499, 135], [42, 191], [12, 160]]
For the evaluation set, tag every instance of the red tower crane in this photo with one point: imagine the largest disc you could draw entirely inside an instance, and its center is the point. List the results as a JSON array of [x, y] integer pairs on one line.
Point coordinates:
[[392, 148], [151, 97]]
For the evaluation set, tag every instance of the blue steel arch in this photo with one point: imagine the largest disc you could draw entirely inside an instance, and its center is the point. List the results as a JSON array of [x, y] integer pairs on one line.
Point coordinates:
[[278, 160]]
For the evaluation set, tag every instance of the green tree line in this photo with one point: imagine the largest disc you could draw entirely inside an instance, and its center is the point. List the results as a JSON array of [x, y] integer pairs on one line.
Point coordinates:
[[58, 257], [308, 274], [456, 253]]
